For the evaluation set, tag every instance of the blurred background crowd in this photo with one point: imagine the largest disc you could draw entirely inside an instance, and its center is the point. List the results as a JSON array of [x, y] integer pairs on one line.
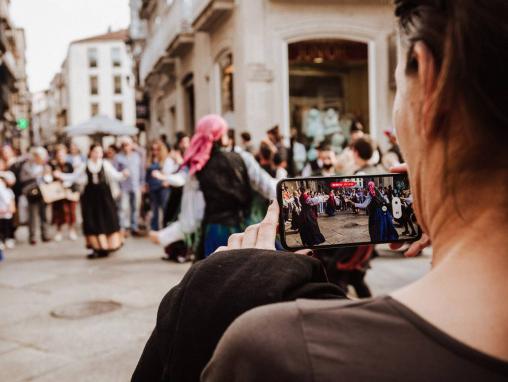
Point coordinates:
[[43, 188]]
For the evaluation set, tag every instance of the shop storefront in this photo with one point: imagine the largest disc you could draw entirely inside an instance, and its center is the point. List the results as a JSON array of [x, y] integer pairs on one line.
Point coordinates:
[[328, 88]]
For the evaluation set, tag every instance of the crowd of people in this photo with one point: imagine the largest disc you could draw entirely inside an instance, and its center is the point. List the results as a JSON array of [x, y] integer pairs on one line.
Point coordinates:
[[189, 196]]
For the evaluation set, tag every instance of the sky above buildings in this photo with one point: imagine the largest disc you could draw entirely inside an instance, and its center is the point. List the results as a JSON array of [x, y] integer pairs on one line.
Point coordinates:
[[50, 25]]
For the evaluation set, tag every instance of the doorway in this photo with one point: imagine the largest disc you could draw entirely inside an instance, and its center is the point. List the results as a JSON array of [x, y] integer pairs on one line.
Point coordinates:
[[328, 89]]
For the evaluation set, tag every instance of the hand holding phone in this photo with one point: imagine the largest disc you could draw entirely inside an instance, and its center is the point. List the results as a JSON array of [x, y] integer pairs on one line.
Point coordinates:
[[334, 212]]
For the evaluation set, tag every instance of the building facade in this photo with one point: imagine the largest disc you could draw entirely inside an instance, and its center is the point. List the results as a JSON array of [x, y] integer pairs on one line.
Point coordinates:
[[14, 95], [97, 79], [261, 63]]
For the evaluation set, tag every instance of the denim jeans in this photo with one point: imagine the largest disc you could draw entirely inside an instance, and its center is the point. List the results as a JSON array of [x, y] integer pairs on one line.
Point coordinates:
[[158, 200], [130, 210]]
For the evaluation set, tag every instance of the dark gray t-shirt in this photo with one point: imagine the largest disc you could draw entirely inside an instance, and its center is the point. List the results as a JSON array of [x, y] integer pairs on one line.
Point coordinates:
[[370, 340]]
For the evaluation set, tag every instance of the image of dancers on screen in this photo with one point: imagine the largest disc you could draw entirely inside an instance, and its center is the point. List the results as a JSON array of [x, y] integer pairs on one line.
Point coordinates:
[[309, 228], [381, 227]]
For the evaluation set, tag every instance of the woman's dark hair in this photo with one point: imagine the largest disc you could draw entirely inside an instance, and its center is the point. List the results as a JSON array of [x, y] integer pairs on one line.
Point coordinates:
[[469, 40], [92, 147]]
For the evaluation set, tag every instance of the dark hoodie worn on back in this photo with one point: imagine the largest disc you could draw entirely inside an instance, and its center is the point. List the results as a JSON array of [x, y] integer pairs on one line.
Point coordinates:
[[193, 316]]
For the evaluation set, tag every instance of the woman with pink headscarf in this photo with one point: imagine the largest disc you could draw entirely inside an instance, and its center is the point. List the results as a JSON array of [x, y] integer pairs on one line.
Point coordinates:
[[381, 228], [223, 182]]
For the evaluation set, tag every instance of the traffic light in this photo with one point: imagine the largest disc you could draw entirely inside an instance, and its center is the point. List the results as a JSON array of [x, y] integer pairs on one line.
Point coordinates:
[[22, 123]]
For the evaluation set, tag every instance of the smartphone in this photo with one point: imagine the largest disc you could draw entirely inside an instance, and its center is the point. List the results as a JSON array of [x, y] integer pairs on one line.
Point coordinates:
[[332, 212]]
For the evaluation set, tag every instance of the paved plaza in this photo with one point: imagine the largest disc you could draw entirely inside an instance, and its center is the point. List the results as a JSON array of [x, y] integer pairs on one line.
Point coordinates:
[[342, 228], [65, 318]]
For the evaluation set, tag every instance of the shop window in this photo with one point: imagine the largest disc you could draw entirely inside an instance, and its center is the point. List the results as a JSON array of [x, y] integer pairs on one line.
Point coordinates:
[[117, 80], [116, 57], [119, 111], [189, 104], [94, 85], [92, 57], [226, 72], [328, 89]]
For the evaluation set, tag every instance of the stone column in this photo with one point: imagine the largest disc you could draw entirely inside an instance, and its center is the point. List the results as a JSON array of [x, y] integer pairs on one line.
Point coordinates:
[[252, 76]]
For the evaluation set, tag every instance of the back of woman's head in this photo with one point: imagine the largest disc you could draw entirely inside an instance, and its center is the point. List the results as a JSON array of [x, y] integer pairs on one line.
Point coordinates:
[[469, 43]]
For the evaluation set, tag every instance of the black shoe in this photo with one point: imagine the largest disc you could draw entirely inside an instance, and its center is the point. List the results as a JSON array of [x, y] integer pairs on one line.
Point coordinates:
[[92, 255], [101, 254]]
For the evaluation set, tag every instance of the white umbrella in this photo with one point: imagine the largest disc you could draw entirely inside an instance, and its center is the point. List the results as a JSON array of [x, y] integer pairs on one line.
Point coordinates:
[[100, 125]]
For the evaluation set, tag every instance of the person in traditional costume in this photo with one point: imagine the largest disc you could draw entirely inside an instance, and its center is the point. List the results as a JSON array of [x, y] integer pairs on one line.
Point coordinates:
[[331, 205], [309, 228], [381, 228], [98, 208], [221, 182], [296, 209]]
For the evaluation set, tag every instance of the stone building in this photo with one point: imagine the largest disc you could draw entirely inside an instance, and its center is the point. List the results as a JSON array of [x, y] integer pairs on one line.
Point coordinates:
[[14, 96], [262, 63], [96, 79]]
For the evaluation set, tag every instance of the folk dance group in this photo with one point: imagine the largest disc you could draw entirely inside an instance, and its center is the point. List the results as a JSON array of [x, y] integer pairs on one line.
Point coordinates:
[[303, 207]]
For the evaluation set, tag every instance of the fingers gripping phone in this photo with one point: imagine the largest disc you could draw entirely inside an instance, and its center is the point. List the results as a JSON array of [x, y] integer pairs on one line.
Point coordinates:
[[331, 212]]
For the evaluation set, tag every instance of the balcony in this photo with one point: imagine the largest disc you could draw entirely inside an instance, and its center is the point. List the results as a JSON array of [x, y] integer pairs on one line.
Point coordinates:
[[8, 61], [4, 10], [172, 37], [206, 13]]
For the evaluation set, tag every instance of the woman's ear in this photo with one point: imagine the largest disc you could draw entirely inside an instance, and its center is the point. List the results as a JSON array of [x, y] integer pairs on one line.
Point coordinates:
[[427, 78]]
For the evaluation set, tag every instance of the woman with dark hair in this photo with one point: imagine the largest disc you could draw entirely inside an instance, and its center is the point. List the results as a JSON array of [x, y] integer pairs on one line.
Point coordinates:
[[451, 325], [309, 228], [160, 163]]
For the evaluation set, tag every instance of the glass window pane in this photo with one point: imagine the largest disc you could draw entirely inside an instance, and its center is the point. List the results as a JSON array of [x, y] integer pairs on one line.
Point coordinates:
[[94, 85], [94, 109], [116, 58], [117, 84], [92, 57], [119, 111]]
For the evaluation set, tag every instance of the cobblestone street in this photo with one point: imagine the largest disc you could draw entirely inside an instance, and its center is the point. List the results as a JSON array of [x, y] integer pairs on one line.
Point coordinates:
[[39, 285]]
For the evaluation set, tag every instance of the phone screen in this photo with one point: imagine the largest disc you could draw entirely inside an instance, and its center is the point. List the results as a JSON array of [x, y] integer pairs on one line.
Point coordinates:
[[346, 211]]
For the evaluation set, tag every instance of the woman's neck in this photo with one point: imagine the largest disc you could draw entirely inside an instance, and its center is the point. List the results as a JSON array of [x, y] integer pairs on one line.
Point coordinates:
[[464, 293]]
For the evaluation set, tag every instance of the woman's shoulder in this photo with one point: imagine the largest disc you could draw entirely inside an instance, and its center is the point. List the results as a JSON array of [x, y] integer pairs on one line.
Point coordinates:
[[252, 347]]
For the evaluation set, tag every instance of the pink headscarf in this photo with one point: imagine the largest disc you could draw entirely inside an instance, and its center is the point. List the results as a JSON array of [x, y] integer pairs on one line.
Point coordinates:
[[209, 129], [372, 188]]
